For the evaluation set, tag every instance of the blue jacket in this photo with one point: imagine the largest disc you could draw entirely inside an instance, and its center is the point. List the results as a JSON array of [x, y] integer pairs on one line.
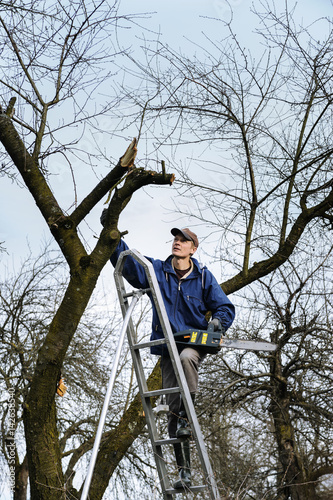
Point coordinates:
[[186, 301]]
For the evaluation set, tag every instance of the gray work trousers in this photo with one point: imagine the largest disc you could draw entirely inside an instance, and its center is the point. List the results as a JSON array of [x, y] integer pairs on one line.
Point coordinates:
[[190, 359]]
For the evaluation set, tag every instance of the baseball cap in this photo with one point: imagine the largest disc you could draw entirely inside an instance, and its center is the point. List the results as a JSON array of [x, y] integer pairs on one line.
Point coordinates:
[[187, 233]]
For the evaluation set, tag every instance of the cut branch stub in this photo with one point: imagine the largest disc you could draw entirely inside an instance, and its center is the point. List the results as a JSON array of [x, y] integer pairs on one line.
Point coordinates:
[[127, 160], [171, 178], [10, 108]]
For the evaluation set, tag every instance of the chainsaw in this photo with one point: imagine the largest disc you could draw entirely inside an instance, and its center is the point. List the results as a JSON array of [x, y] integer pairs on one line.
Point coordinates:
[[212, 341]]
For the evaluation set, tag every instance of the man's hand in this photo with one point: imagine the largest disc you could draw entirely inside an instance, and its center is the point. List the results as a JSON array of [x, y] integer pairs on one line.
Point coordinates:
[[217, 324]]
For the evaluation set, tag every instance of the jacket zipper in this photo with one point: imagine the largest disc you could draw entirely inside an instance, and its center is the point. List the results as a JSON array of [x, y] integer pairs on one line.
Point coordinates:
[[174, 309]]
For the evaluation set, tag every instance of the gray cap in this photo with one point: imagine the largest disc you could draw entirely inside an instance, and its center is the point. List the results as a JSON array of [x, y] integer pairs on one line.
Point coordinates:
[[187, 233]]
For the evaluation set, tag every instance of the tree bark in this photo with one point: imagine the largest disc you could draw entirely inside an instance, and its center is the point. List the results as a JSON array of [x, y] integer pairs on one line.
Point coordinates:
[[40, 421], [21, 480], [294, 482]]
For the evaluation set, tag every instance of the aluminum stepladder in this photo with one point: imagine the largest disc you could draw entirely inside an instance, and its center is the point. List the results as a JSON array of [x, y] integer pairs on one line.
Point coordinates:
[[157, 443], [182, 388]]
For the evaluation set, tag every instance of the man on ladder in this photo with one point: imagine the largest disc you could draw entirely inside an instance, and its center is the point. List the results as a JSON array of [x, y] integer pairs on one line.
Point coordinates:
[[189, 291]]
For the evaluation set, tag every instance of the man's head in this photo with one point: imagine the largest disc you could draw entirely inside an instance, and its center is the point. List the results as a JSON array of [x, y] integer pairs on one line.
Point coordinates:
[[185, 242]]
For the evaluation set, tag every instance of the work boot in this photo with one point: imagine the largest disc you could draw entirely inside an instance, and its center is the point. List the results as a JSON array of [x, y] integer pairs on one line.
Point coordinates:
[[183, 459], [183, 425]]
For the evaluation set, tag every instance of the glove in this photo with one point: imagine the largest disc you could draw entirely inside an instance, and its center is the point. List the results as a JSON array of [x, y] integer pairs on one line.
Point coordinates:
[[217, 324], [103, 216]]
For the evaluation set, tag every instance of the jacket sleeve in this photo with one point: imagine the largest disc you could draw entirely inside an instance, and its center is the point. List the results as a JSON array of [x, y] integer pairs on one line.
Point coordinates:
[[217, 302], [133, 272]]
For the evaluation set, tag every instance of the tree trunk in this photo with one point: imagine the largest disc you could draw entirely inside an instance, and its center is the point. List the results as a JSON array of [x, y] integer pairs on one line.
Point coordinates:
[[293, 481], [21, 480], [40, 421], [43, 453]]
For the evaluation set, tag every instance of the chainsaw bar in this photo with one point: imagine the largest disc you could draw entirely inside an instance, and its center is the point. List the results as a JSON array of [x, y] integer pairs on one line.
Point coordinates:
[[249, 345], [212, 342]]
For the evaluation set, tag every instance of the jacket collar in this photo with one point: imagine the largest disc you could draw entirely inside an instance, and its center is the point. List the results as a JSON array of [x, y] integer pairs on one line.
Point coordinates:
[[168, 268]]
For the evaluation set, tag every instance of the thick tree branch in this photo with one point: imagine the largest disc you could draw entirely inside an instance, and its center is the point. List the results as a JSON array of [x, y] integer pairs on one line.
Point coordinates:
[[322, 471], [62, 228], [28, 168], [265, 267]]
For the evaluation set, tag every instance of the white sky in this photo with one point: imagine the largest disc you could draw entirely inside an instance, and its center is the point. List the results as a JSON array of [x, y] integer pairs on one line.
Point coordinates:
[[146, 217]]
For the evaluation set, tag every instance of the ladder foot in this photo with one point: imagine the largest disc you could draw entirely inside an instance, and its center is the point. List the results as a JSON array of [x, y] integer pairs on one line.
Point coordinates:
[[192, 489]]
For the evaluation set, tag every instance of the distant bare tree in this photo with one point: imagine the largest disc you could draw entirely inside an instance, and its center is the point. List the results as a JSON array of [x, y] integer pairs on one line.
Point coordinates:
[[285, 396], [29, 299], [26, 309]]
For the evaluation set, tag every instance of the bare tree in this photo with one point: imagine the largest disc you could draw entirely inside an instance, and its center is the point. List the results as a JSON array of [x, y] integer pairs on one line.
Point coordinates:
[[261, 182], [25, 314], [260, 176], [51, 56], [284, 396], [29, 299]]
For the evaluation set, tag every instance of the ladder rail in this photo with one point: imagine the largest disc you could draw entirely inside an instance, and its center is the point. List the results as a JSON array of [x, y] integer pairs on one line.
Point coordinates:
[[136, 295], [141, 380]]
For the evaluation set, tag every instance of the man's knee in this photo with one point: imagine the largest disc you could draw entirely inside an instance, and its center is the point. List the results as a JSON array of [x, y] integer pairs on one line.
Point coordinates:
[[190, 362], [190, 356]]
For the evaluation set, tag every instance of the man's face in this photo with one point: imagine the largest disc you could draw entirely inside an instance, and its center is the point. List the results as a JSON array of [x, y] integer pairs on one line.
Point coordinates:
[[181, 247]]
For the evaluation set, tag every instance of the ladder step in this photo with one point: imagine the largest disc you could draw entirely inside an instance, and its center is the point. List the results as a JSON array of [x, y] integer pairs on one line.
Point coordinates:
[[151, 343], [161, 442], [136, 292], [160, 392], [194, 489]]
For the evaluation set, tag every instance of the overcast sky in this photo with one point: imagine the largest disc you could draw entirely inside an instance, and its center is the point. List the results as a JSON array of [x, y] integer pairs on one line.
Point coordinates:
[[147, 217]]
